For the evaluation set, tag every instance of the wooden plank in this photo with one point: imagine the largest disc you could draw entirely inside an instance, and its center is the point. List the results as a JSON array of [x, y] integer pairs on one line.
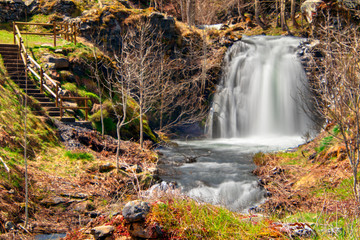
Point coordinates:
[[28, 23], [34, 33], [76, 98]]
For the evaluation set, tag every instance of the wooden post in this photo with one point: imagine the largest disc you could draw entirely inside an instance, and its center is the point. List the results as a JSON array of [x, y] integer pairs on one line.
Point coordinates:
[[72, 32], [41, 80], [61, 108], [54, 34], [86, 109], [75, 33], [14, 32], [57, 95]]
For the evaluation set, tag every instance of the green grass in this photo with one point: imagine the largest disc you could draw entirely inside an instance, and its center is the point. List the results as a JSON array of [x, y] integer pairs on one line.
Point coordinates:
[[325, 142], [84, 156], [187, 219]]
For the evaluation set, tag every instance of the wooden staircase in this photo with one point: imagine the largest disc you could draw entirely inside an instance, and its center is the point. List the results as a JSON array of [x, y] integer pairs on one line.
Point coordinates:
[[17, 72]]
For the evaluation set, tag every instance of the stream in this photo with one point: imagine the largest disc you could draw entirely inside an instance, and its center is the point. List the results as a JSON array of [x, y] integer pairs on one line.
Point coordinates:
[[222, 174]]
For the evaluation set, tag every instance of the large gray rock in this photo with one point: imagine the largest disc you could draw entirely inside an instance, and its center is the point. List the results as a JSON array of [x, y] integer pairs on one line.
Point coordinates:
[[102, 232], [135, 211]]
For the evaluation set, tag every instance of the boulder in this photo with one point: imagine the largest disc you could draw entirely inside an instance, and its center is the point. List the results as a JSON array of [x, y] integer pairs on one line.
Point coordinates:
[[57, 63], [135, 211], [102, 232]]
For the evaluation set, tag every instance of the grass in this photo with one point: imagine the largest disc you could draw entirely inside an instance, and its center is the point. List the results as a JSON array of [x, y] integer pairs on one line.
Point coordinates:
[[187, 219], [72, 155]]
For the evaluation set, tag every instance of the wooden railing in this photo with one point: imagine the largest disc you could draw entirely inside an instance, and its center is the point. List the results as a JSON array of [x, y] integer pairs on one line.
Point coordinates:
[[38, 72], [65, 30]]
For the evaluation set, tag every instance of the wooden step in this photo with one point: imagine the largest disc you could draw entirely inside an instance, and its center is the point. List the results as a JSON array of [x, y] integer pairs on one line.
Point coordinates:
[[54, 113], [9, 53], [6, 46], [37, 95], [30, 91], [30, 85], [18, 64], [67, 119], [52, 109], [13, 60], [43, 99], [47, 104]]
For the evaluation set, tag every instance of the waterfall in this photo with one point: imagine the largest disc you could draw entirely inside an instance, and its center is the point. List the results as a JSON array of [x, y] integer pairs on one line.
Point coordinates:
[[262, 90]]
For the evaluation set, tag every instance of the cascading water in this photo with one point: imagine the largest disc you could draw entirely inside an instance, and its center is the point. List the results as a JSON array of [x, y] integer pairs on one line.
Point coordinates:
[[262, 90], [258, 107]]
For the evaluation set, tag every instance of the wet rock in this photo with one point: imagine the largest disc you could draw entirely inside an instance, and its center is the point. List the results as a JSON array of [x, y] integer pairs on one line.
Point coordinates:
[[106, 167], [9, 226], [135, 211], [102, 232]]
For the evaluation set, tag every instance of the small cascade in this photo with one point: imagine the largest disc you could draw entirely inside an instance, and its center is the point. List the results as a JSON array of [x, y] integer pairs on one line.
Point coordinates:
[[262, 91]]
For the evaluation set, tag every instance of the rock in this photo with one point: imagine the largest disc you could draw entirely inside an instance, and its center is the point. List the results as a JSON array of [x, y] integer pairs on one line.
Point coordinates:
[[59, 50], [11, 191], [94, 214], [82, 207], [336, 231], [102, 232], [54, 201], [139, 230], [12, 10], [57, 63], [66, 7], [135, 211], [294, 230], [95, 108], [309, 9], [106, 167], [9, 226]]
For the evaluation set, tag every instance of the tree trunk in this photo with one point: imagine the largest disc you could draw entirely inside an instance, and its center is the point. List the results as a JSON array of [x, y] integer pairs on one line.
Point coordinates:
[[183, 10], [293, 14], [118, 127], [240, 12], [257, 15], [284, 26], [191, 5], [141, 127]]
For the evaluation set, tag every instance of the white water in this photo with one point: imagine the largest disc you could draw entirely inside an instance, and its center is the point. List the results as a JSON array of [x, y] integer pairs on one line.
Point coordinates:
[[258, 107], [262, 90]]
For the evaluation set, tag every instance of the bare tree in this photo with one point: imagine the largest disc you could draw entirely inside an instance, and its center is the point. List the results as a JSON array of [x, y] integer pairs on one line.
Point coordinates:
[[293, 6], [337, 89], [191, 12], [284, 26], [257, 15]]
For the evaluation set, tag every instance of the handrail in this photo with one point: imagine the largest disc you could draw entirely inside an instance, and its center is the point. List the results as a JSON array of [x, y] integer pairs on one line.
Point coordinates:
[[66, 30], [40, 76]]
